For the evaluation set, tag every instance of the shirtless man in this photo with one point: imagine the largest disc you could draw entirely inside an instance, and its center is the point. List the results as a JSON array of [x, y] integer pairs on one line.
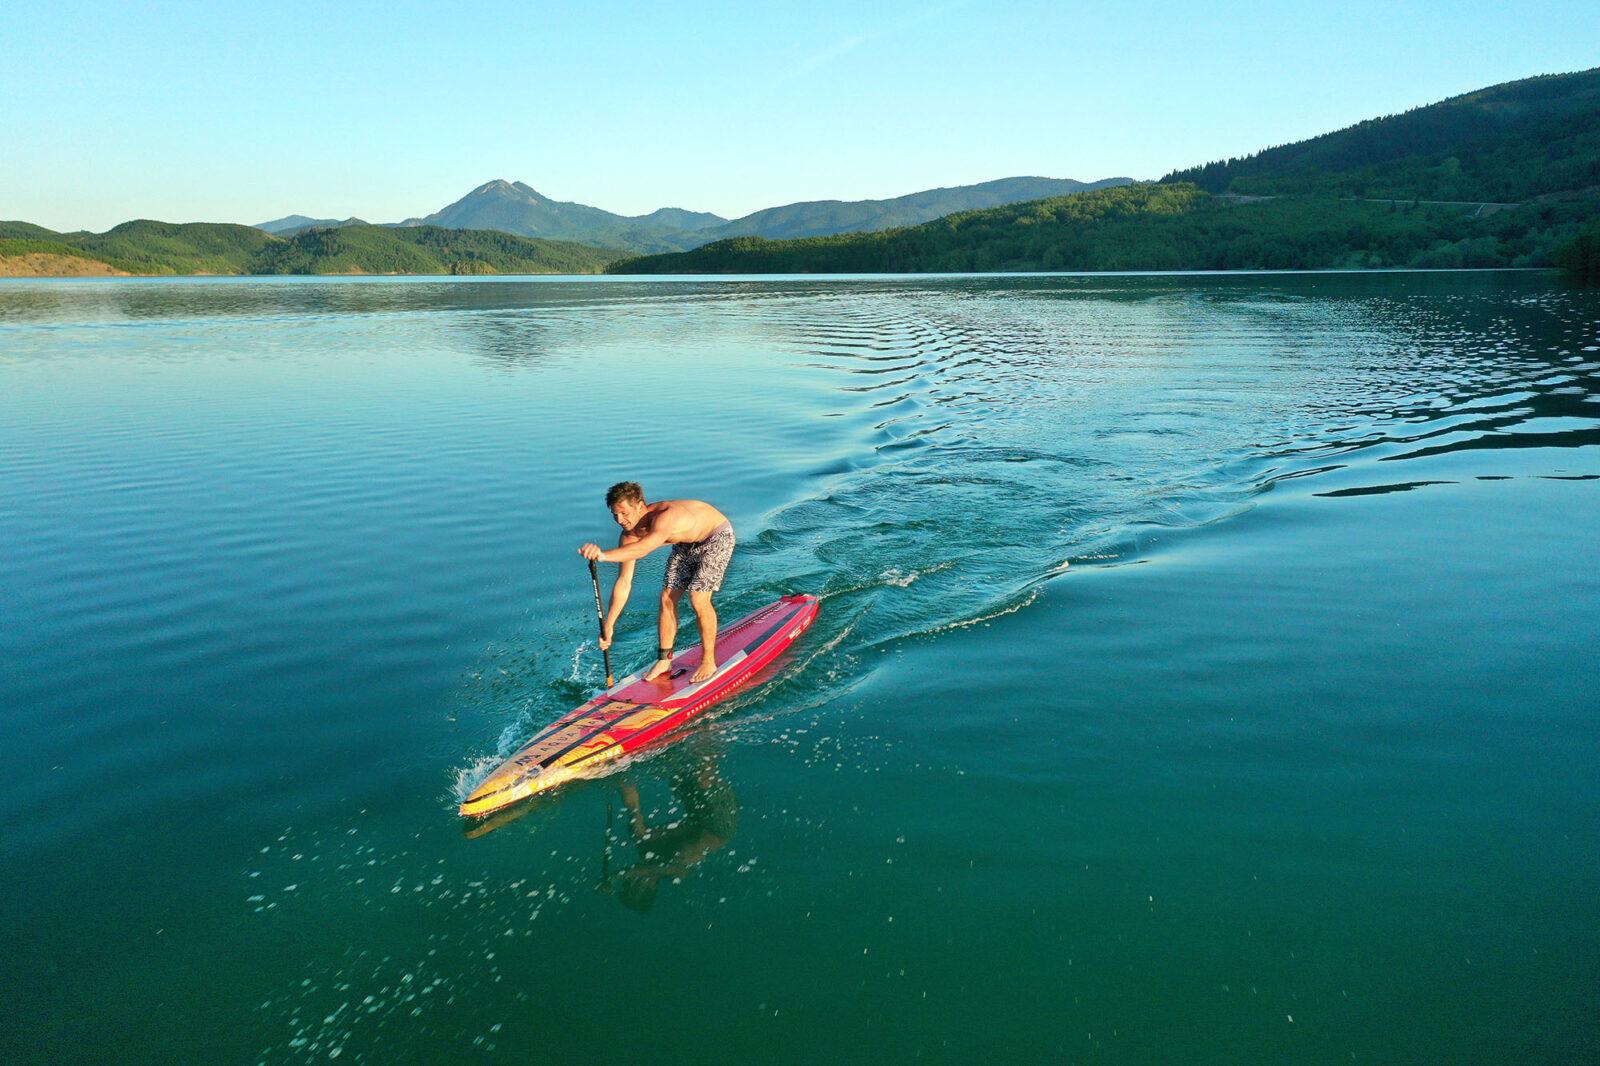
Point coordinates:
[[702, 543]]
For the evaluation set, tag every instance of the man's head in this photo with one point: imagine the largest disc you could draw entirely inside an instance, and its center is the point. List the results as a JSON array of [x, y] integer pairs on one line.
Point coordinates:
[[626, 500]]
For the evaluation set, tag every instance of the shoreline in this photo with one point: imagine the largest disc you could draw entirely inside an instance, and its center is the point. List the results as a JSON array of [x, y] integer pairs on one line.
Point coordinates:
[[115, 275]]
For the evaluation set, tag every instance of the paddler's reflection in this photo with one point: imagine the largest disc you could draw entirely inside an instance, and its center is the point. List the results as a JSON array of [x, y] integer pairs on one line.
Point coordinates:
[[703, 819]]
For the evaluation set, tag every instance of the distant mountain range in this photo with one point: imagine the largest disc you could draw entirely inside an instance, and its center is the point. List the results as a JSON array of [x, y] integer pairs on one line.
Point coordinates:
[[1508, 175], [289, 225], [512, 207], [822, 218]]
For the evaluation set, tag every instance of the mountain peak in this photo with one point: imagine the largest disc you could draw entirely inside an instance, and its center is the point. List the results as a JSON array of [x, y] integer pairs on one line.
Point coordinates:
[[499, 185], [515, 191]]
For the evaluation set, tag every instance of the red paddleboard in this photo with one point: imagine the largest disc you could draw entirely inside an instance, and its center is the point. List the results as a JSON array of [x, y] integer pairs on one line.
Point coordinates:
[[637, 712]]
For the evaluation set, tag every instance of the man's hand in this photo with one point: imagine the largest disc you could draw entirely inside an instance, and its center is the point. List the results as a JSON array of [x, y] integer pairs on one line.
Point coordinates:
[[591, 552], [605, 637]]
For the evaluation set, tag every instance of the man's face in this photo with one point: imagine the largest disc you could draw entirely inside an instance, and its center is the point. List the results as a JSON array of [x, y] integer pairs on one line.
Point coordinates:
[[626, 513]]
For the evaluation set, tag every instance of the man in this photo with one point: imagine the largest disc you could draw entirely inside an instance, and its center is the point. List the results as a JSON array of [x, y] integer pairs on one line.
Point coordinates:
[[702, 543]]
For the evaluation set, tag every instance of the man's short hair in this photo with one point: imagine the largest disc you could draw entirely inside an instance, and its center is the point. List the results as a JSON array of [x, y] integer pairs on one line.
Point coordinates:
[[624, 490]]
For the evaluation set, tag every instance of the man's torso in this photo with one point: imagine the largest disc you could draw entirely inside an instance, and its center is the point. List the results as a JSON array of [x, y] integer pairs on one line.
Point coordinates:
[[683, 521]]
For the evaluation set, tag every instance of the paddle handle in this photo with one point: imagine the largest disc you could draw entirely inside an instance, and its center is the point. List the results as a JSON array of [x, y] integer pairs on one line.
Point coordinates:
[[600, 613]]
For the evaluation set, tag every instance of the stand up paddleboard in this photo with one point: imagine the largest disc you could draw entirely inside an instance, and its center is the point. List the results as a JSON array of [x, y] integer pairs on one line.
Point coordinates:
[[637, 712]]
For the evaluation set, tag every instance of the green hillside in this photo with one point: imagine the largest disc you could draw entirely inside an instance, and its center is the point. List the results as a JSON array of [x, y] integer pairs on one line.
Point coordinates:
[[28, 246], [1507, 143], [145, 247], [425, 250], [26, 231], [1167, 226]]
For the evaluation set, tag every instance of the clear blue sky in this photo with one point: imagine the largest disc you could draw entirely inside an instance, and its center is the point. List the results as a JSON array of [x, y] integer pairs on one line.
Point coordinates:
[[240, 112]]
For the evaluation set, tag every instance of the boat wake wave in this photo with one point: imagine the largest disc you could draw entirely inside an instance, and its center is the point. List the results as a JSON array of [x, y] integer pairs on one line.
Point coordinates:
[[973, 447]]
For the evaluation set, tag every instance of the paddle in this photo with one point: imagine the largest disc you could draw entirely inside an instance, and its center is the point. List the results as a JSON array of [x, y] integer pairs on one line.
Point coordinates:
[[600, 612]]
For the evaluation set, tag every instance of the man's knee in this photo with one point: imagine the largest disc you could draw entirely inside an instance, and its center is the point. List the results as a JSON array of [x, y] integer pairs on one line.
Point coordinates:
[[669, 599], [701, 601]]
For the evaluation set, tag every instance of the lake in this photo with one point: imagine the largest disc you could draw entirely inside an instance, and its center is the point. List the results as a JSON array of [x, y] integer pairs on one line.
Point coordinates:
[[1205, 670]]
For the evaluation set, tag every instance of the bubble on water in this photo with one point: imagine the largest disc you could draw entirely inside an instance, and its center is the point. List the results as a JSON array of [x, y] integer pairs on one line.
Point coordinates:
[[577, 660]]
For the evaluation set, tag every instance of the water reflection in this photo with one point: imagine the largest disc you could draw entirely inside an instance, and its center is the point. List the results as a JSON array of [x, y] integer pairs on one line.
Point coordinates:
[[669, 813], [669, 841], [511, 342]]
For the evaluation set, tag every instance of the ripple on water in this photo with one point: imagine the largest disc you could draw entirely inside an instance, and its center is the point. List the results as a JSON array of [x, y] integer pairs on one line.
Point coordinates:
[[1034, 427]]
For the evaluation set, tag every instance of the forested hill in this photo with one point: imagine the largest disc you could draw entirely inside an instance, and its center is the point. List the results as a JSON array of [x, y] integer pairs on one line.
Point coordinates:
[[141, 247], [145, 247], [1507, 143], [1506, 176], [426, 250], [1165, 226]]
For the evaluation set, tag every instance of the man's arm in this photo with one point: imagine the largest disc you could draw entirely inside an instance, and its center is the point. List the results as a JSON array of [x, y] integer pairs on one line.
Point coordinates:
[[630, 549], [627, 553], [619, 597]]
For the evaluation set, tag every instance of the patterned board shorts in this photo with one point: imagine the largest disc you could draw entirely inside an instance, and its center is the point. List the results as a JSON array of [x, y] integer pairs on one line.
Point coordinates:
[[700, 567]]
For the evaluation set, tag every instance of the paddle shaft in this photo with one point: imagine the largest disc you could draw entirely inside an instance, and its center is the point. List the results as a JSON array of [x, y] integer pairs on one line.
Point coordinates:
[[600, 613]]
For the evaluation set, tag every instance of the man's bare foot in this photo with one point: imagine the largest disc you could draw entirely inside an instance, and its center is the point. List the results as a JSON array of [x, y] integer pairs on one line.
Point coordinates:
[[658, 670], [705, 671]]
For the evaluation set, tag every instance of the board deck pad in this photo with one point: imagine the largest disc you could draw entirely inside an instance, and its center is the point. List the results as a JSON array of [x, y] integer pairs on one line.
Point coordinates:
[[636, 712]]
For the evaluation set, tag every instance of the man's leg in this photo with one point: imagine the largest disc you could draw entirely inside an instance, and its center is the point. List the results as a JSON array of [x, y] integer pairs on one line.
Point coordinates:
[[706, 615], [666, 631]]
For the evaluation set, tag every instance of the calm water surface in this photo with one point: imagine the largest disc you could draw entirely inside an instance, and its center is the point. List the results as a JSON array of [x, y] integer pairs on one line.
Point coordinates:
[[1206, 670]]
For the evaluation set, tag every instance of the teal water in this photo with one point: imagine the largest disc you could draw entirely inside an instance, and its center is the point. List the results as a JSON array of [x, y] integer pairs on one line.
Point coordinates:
[[1205, 671]]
